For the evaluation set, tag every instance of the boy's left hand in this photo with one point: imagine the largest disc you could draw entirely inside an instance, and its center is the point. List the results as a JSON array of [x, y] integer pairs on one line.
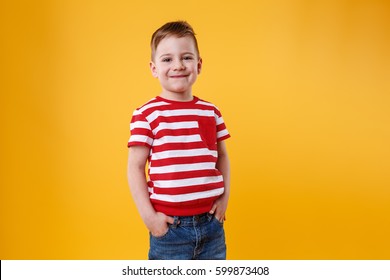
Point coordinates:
[[219, 208]]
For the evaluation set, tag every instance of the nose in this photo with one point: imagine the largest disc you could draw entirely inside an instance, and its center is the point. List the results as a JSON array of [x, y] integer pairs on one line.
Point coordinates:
[[178, 65]]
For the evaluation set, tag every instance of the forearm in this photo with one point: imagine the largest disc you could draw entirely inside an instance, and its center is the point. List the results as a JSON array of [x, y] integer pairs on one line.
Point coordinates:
[[223, 165], [155, 222], [140, 193]]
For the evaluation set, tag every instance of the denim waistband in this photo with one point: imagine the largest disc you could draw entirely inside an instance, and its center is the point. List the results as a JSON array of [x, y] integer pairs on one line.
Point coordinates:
[[192, 220]]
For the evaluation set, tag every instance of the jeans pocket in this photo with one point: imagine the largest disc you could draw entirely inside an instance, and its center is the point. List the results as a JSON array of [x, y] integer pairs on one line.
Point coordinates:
[[217, 221], [161, 236]]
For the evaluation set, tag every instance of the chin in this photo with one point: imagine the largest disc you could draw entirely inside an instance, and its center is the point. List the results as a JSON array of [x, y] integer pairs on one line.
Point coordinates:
[[180, 90]]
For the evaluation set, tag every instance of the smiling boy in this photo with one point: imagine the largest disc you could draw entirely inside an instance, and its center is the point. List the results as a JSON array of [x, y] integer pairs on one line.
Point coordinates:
[[184, 199]]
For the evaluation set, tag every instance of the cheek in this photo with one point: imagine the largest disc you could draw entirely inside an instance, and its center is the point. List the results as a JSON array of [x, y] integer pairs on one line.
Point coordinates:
[[164, 70], [161, 72]]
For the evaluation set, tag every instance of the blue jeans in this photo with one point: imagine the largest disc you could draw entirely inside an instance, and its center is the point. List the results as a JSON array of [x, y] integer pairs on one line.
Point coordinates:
[[199, 237]]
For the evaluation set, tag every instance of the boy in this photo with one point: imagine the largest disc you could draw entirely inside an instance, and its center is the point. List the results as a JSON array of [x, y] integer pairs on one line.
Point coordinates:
[[183, 203]]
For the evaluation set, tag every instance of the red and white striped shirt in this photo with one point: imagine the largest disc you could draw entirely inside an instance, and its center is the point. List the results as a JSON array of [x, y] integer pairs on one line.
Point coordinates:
[[182, 137]]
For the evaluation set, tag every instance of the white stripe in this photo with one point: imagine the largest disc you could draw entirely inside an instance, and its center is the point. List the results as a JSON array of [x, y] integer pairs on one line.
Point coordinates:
[[139, 124], [179, 112], [219, 120], [222, 133], [175, 125], [182, 167], [177, 139], [188, 182], [141, 138], [206, 103], [153, 104], [187, 197], [184, 153]]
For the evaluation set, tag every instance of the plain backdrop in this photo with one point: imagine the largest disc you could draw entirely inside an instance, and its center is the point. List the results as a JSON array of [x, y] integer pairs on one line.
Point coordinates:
[[304, 88]]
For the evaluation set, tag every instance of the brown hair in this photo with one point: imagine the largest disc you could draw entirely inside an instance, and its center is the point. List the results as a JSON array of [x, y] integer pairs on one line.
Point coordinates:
[[175, 28]]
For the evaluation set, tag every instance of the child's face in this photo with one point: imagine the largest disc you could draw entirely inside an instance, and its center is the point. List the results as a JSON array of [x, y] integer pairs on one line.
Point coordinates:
[[176, 64]]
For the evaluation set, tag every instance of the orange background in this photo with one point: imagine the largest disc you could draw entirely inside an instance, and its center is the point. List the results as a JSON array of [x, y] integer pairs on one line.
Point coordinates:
[[304, 87]]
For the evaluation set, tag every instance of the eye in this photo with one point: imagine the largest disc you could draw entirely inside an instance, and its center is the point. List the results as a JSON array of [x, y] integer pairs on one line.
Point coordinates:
[[188, 57], [166, 59]]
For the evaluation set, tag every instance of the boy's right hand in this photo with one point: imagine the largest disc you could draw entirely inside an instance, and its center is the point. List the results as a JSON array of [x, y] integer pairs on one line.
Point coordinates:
[[158, 224]]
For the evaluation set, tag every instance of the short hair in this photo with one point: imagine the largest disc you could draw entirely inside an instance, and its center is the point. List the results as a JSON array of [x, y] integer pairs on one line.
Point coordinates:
[[174, 28]]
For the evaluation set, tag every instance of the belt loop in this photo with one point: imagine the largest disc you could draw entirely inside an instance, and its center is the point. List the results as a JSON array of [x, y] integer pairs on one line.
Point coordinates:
[[175, 221]]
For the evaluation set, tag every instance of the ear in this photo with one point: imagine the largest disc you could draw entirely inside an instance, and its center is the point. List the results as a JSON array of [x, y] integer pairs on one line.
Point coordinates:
[[200, 61], [153, 69]]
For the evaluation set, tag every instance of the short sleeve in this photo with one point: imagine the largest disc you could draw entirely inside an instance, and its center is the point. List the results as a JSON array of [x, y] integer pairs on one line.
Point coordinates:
[[222, 132], [140, 131]]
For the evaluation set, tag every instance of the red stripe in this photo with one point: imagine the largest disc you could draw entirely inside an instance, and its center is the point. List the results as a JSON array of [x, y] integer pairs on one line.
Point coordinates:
[[183, 160], [137, 118], [187, 190], [221, 127], [142, 132], [178, 146], [185, 175], [174, 119], [136, 143], [177, 132], [188, 208], [223, 137]]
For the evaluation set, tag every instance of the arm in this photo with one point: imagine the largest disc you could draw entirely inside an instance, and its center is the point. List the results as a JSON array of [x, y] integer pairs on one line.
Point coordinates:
[[156, 222], [223, 165]]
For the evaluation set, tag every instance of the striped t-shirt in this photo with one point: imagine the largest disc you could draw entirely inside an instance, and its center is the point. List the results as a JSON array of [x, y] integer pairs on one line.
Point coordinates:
[[182, 137]]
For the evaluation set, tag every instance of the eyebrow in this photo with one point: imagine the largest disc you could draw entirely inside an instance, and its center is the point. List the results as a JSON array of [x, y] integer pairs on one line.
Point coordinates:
[[169, 54]]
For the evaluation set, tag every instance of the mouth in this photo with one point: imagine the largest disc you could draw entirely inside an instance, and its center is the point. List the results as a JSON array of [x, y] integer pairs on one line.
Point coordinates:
[[178, 76]]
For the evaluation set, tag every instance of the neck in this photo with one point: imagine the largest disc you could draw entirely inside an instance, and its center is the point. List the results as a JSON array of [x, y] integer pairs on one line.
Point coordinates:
[[176, 96]]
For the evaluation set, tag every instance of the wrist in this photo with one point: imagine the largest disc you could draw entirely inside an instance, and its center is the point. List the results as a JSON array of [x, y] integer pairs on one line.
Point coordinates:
[[225, 196], [149, 218]]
